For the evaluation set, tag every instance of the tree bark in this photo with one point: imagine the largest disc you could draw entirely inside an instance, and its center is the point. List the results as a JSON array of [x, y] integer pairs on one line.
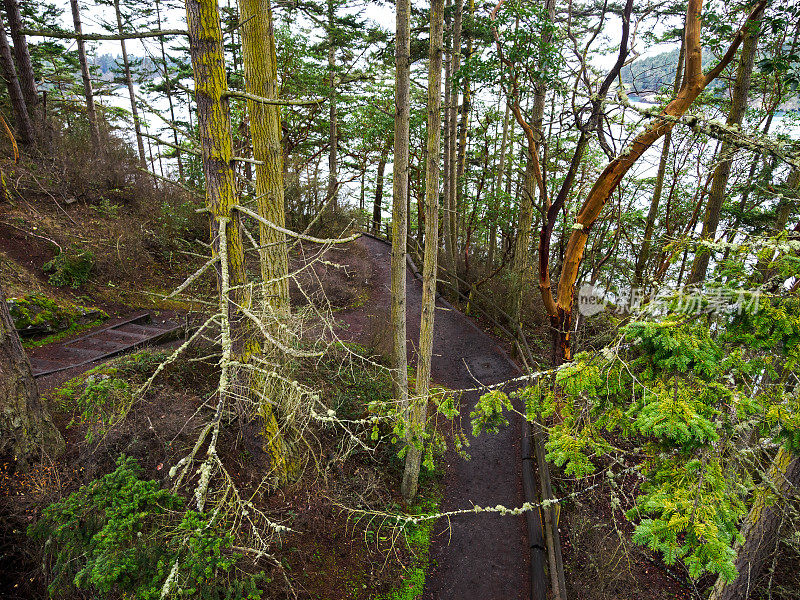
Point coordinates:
[[27, 80], [377, 204], [27, 432], [259, 59], [214, 131], [400, 212], [25, 129], [741, 89], [761, 528], [419, 406], [129, 82]]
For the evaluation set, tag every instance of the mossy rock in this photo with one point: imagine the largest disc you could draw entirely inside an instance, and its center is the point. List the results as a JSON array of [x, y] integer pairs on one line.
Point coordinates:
[[37, 314]]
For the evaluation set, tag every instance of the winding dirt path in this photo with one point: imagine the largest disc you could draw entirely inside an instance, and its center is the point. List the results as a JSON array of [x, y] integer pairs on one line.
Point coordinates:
[[475, 557]]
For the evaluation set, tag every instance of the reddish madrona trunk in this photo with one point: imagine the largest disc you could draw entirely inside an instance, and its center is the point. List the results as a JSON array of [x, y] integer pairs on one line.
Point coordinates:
[[694, 83]]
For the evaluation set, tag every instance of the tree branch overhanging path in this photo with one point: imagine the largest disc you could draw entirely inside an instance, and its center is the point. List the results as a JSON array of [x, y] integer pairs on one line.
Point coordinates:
[[694, 82]]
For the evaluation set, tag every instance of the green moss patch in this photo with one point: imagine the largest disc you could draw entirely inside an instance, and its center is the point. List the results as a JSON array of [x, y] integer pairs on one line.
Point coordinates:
[[37, 315]]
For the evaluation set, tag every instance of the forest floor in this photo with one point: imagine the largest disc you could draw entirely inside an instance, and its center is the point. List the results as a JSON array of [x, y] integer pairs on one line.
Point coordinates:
[[471, 557]]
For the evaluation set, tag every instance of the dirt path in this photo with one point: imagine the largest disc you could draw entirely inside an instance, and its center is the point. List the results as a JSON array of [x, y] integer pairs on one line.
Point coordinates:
[[480, 557]]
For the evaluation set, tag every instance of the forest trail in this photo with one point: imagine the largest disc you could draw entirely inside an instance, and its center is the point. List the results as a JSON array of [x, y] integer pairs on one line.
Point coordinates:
[[482, 556]]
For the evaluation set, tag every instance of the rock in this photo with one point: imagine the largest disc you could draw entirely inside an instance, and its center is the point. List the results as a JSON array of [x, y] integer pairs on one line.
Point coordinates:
[[37, 314]]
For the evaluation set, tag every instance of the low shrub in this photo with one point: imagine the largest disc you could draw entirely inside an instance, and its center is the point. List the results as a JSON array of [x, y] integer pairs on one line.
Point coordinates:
[[70, 268], [123, 536]]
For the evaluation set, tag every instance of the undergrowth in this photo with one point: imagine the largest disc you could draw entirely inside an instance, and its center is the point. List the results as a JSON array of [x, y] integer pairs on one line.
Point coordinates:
[[124, 536]]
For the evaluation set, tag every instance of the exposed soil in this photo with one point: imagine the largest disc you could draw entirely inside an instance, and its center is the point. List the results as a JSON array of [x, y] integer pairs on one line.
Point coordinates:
[[485, 556], [26, 249]]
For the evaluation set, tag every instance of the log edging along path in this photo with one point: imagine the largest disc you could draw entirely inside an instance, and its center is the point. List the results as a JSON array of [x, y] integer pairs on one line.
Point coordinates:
[[464, 569]]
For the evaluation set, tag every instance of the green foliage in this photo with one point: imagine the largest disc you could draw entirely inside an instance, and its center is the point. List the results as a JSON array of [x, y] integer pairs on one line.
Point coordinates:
[[427, 437], [103, 399], [687, 397], [693, 516], [488, 414], [120, 535], [71, 267], [418, 538]]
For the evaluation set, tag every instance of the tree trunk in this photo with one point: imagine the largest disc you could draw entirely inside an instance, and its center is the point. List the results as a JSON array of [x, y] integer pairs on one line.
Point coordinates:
[[88, 93], [168, 90], [461, 155], [27, 81], [214, 131], [761, 528], [129, 82], [694, 83], [261, 79], [23, 119], [644, 251], [522, 244], [452, 126], [333, 129], [419, 406], [741, 89], [377, 204], [400, 213], [27, 432], [494, 207], [449, 140]]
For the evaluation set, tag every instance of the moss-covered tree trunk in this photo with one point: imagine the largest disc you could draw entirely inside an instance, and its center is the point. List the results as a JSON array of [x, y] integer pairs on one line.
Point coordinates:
[[208, 64], [761, 528], [420, 404], [259, 59], [400, 212], [26, 428]]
